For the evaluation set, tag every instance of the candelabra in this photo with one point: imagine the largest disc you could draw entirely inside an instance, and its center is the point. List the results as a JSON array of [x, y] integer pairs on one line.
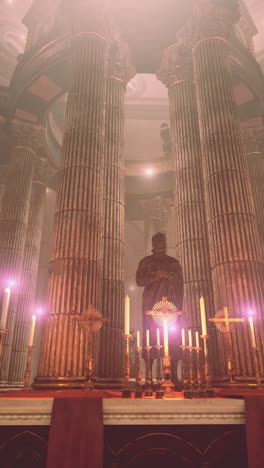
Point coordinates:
[[138, 391], [126, 392], [148, 387], [159, 390], [28, 368], [209, 391]]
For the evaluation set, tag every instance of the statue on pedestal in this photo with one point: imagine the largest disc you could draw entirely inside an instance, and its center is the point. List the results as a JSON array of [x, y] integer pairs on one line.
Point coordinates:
[[161, 276]]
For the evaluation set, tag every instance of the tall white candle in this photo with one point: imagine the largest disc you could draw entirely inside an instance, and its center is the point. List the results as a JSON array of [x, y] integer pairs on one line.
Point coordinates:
[[197, 339], [5, 307], [147, 337], [32, 331], [183, 337], [138, 339], [190, 338], [127, 315], [166, 338], [158, 337], [203, 316], [252, 332]]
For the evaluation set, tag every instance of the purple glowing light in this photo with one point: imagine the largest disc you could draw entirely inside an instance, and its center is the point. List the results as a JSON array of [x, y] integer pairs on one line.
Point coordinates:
[[251, 312], [39, 310], [172, 328], [11, 283]]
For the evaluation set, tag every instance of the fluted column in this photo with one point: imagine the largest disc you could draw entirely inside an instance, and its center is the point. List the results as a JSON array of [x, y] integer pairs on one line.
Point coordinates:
[[76, 256], [254, 157], [120, 71], [237, 271], [192, 244], [13, 224], [26, 296]]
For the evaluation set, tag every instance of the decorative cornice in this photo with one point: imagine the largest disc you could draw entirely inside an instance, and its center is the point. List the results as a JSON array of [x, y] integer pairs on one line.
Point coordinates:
[[119, 62], [176, 65], [209, 19]]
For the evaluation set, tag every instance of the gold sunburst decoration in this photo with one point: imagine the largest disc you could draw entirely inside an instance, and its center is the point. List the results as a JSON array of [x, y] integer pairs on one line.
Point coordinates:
[[220, 325], [164, 310], [91, 319]]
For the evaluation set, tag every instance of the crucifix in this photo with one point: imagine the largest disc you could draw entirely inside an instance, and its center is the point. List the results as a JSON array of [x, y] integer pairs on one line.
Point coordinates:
[[223, 322]]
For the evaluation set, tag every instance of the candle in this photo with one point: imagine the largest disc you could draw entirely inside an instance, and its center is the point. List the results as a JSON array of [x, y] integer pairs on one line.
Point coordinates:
[[190, 338], [183, 337], [203, 317], [127, 315], [197, 339], [158, 337], [252, 332], [166, 339], [147, 337], [138, 339], [32, 331], [5, 307]]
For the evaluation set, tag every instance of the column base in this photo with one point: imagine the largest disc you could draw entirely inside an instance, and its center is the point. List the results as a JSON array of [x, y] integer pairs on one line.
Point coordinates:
[[240, 382], [109, 384], [58, 383], [11, 386]]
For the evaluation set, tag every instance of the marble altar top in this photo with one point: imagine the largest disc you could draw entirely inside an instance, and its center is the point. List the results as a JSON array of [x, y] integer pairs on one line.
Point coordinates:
[[117, 411]]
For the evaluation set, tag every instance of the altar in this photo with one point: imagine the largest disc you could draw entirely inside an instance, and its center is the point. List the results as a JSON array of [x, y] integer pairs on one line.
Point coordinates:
[[175, 432]]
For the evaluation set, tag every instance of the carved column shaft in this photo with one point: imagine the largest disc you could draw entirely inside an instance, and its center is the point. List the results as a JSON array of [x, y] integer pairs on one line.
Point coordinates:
[[111, 340], [237, 271], [13, 228], [27, 289], [76, 262], [190, 212]]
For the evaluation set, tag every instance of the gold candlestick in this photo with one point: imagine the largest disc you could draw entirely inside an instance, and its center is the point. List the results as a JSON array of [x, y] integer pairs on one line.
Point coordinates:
[[207, 374], [186, 372], [2, 334], [28, 368], [148, 389], [159, 391], [200, 387], [138, 391], [126, 392], [257, 366]]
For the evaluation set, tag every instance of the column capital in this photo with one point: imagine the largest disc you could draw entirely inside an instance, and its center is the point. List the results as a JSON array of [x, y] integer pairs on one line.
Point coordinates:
[[120, 63], [28, 136], [176, 65], [90, 16], [42, 171], [209, 19]]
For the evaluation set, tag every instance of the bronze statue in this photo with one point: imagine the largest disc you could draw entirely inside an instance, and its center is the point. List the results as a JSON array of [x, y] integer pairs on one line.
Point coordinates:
[[161, 275]]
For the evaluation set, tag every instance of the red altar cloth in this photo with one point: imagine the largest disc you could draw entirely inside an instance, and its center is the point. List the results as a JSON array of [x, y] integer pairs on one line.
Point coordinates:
[[76, 436], [254, 413]]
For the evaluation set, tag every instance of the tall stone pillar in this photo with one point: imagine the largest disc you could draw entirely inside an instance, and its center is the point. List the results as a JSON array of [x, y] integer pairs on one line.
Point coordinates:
[[254, 157], [120, 71], [237, 270], [192, 244], [13, 224], [26, 296], [76, 257]]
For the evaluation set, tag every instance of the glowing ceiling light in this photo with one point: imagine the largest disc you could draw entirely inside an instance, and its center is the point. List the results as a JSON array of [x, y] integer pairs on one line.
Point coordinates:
[[149, 171]]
